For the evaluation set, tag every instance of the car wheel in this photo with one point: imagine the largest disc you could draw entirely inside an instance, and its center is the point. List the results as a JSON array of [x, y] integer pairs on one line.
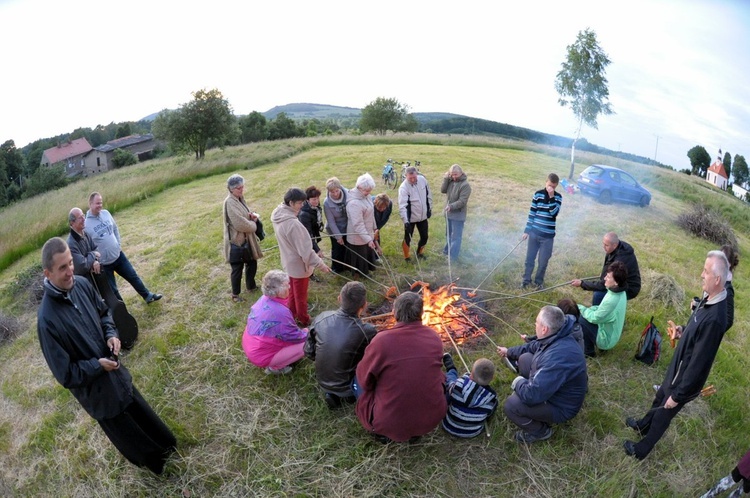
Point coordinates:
[[605, 197], [644, 201]]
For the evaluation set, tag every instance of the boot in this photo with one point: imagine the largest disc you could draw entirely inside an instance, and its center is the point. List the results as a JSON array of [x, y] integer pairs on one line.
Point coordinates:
[[405, 247], [420, 252], [448, 362], [721, 486]]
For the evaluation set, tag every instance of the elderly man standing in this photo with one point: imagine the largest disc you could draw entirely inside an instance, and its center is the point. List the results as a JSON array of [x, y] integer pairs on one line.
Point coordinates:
[[101, 227], [399, 382], [82, 247], [336, 343], [553, 380], [458, 190], [615, 250], [692, 360], [414, 207], [81, 346]]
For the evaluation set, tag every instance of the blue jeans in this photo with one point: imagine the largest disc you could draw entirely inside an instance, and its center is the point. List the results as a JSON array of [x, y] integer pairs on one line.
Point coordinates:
[[123, 268], [543, 247], [597, 298], [455, 233], [356, 388]]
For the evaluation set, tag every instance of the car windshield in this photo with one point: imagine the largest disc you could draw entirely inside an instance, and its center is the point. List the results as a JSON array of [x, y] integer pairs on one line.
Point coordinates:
[[592, 171]]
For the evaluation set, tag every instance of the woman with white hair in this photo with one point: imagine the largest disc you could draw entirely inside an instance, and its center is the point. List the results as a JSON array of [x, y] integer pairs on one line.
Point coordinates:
[[241, 244], [272, 339], [360, 226]]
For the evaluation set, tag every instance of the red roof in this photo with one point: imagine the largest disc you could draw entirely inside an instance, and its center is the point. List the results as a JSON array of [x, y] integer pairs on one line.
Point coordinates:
[[67, 150], [718, 168]]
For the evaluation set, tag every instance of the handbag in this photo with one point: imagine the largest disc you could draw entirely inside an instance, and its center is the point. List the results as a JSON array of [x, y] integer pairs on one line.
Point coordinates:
[[247, 253], [259, 232]]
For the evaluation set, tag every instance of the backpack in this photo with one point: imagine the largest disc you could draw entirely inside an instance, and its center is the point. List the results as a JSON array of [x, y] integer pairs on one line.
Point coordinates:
[[649, 346]]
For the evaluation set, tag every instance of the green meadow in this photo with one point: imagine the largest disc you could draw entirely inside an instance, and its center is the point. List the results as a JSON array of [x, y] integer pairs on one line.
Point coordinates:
[[242, 433]]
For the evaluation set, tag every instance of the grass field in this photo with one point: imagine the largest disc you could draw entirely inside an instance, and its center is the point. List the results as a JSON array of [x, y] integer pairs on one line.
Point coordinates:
[[242, 433]]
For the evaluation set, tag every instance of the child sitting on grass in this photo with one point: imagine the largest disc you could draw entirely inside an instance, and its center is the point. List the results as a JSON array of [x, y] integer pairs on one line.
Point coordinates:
[[471, 401]]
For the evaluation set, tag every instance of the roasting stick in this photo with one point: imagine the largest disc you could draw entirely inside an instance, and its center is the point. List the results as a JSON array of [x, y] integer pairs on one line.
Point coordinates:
[[474, 292], [350, 266], [448, 245], [447, 332], [480, 329]]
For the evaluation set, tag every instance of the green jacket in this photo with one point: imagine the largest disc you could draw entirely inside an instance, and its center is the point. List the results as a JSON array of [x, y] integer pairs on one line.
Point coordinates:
[[609, 315]]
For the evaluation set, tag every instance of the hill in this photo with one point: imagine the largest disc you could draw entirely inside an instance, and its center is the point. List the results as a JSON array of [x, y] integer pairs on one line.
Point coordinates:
[[242, 433]]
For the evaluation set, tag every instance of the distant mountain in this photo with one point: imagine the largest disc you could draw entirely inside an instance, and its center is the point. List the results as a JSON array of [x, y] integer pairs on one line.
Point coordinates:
[[313, 111]]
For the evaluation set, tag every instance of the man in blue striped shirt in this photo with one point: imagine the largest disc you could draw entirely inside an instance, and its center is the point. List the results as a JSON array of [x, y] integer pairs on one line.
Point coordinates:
[[540, 230]]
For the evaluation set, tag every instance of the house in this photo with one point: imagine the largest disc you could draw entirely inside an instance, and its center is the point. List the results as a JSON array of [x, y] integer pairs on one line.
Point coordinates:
[[71, 154], [741, 191], [716, 174], [100, 158]]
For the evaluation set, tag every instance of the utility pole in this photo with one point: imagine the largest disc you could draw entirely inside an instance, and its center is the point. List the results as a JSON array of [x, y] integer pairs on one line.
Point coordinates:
[[657, 146]]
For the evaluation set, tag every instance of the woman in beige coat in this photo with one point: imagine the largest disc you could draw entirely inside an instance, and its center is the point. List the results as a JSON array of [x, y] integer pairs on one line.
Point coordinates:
[[241, 244]]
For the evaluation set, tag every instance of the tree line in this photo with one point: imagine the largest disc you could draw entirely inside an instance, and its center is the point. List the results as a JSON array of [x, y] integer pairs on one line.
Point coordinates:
[[700, 161]]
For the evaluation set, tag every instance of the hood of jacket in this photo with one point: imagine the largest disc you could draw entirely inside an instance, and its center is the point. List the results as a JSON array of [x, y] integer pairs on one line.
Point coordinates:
[[283, 213]]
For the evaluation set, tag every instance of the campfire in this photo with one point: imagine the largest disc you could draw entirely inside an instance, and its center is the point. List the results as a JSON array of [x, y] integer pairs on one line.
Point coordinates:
[[446, 311]]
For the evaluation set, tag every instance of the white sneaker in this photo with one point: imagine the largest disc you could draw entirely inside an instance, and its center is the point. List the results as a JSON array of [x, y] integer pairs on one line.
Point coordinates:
[[280, 371], [510, 365]]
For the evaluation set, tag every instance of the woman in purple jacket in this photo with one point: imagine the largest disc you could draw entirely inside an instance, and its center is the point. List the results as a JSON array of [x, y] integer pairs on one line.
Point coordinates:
[[272, 338]]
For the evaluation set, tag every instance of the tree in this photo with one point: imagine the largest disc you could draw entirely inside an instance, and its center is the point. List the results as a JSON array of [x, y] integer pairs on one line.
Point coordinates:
[[385, 114], [582, 84], [206, 119], [741, 173], [45, 179], [14, 162], [253, 128], [283, 127], [727, 162], [700, 160], [123, 131], [122, 158]]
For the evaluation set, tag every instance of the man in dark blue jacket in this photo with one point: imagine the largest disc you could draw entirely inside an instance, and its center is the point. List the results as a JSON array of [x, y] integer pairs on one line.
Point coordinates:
[[553, 380], [692, 360], [81, 346]]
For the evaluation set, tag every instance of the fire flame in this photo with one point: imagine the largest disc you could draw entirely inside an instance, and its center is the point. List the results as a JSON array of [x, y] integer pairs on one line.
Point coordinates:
[[446, 312]]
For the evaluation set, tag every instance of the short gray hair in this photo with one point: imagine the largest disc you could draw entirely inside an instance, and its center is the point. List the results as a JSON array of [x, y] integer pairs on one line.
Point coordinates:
[[274, 282], [408, 307], [72, 217], [235, 181], [51, 248], [456, 169], [553, 318], [333, 183], [719, 265], [365, 181], [411, 169]]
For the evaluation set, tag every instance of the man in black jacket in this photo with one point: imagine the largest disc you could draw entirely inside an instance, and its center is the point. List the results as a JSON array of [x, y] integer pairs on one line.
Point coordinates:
[[81, 346], [692, 360], [336, 343], [616, 250], [82, 247]]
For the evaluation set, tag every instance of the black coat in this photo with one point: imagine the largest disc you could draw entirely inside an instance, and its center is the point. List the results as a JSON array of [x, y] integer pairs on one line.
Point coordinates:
[[336, 343], [308, 216], [695, 352], [73, 329], [624, 252], [82, 249]]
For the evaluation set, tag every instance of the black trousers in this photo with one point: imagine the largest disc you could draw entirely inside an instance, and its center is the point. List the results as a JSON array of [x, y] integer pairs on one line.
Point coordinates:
[[237, 265], [655, 423], [140, 435], [422, 227]]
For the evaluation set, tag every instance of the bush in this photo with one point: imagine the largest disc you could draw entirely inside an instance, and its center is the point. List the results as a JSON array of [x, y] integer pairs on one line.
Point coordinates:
[[27, 289], [707, 224], [10, 328], [123, 158]]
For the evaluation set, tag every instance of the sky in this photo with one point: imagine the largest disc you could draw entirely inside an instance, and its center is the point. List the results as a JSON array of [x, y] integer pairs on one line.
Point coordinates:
[[678, 76]]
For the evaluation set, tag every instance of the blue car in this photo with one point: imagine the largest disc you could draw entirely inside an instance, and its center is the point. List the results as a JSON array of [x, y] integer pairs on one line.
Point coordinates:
[[609, 184]]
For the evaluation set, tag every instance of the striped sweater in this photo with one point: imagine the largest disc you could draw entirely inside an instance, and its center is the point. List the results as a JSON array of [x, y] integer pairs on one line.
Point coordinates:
[[469, 406], [543, 213]]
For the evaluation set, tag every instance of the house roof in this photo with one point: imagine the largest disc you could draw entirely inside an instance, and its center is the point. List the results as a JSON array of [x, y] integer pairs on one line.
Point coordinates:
[[66, 150], [718, 168], [124, 142]]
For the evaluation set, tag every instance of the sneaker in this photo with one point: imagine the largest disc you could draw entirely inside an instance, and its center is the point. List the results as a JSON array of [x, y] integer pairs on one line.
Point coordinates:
[[629, 447], [280, 371], [153, 297], [528, 438], [656, 387], [448, 362], [314, 278], [511, 366]]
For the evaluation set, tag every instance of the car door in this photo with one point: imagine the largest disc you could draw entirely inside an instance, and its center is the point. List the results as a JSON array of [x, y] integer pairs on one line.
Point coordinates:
[[630, 190]]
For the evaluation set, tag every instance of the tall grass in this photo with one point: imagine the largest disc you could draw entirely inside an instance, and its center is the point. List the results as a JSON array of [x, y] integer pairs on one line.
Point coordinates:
[[243, 433]]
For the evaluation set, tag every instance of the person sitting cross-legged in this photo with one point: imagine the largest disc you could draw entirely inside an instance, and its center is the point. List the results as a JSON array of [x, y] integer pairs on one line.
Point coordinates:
[[471, 400], [602, 324], [553, 381], [336, 343]]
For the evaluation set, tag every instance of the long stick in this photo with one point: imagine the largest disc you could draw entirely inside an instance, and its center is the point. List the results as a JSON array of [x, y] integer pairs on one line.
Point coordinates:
[[355, 269], [495, 268], [447, 332], [448, 245], [480, 329]]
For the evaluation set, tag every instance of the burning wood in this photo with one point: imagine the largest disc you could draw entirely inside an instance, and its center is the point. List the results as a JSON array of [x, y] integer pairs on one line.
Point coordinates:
[[446, 311]]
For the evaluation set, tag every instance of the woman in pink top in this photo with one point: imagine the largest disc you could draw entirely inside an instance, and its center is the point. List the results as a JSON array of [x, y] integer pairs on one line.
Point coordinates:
[[272, 338]]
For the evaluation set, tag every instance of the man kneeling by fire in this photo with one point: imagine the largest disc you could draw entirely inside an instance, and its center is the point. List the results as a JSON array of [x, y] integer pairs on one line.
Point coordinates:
[[553, 380]]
